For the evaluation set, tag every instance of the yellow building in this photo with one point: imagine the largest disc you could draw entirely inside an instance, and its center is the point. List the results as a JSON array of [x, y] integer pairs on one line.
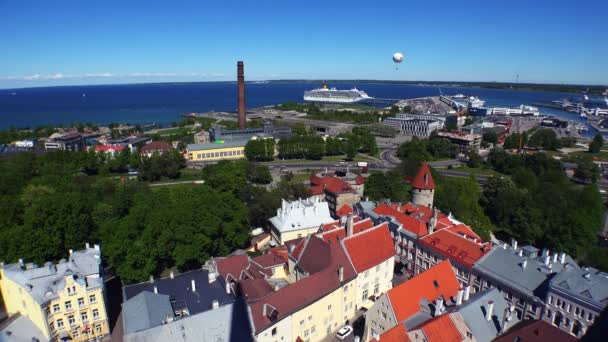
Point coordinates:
[[64, 300], [218, 150]]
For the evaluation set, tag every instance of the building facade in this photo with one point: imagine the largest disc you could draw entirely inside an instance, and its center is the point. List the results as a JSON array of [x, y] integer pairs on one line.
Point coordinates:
[[414, 126], [72, 141], [299, 218], [216, 151], [64, 300]]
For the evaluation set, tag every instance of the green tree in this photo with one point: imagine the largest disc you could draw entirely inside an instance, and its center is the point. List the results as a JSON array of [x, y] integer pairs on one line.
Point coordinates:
[[490, 137], [596, 145]]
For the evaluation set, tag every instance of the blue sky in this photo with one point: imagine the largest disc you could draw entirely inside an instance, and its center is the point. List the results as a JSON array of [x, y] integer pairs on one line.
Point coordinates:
[[99, 42]]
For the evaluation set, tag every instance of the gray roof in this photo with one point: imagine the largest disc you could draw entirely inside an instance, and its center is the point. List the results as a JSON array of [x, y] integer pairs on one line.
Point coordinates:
[[474, 314], [214, 146], [179, 289], [20, 329], [585, 284], [226, 323], [145, 311], [506, 266], [43, 283]]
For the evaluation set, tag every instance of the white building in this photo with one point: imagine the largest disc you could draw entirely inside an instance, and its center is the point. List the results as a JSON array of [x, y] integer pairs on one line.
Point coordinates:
[[299, 218], [418, 127]]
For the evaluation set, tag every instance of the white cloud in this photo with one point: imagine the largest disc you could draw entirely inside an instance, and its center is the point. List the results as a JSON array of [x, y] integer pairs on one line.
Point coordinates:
[[60, 76]]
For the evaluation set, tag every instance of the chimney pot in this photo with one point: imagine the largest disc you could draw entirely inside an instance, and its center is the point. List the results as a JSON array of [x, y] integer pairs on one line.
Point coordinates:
[[171, 275], [524, 264], [155, 289], [227, 288], [555, 255], [193, 285], [562, 258], [349, 225], [86, 245], [151, 279], [459, 297], [96, 246], [71, 251], [514, 243], [467, 292], [489, 310], [341, 273], [211, 277], [215, 304], [547, 259]]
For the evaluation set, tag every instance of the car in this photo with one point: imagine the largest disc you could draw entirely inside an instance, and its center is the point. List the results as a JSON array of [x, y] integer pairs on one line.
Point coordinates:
[[344, 332]]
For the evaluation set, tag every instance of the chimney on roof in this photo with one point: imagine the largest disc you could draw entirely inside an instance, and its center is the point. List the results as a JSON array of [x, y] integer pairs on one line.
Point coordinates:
[[71, 251], [215, 304], [547, 259], [86, 245], [432, 222], [96, 246], [467, 292], [438, 306], [227, 288], [555, 255], [211, 277], [151, 279], [562, 257], [341, 274], [505, 246], [520, 253], [21, 262], [524, 264], [514, 244], [349, 225], [459, 297], [171, 275], [489, 310], [276, 287], [155, 289], [193, 285]]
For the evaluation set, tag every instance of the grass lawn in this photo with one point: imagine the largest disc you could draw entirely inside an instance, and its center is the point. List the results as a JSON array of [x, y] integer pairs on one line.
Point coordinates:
[[603, 154], [300, 177]]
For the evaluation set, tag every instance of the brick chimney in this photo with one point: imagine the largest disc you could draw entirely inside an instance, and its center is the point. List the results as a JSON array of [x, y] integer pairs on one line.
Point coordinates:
[[349, 225], [240, 75]]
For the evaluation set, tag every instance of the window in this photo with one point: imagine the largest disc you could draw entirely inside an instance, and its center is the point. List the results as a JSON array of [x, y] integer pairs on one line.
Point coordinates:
[[329, 307], [71, 320], [80, 302], [68, 306], [309, 318], [274, 331], [75, 334], [345, 288], [364, 296], [376, 288], [56, 308], [52, 327], [313, 330], [92, 299], [95, 314], [84, 317], [383, 315], [377, 268], [469, 335], [366, 274], [577, 311], [59, 323], [301, 322], [569, 307], [98, 328], [590, 316], [48, 311], [550, 300], [559, 302], [306, 333]]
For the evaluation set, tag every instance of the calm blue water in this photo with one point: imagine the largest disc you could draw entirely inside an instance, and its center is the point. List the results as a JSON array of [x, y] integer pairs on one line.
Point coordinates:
[[163, 103]]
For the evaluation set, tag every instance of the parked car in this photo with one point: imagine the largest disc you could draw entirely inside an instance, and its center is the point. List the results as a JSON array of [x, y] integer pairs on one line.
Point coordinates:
[[344, 332]]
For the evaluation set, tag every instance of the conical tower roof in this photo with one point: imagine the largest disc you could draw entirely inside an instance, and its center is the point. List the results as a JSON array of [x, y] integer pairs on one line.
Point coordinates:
[[424, 179]]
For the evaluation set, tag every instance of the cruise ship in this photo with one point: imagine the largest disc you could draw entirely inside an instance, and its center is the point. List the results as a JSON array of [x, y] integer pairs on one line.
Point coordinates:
[[333, 95]]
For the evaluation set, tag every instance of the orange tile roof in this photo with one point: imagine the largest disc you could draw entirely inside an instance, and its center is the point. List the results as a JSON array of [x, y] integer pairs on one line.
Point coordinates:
[[344, 210], [441, 329], [370, 248], [409, 223], [405, 298], [455, 247], [332, 184], [465, 231], [340, 232], [396, 334], [424, 179]]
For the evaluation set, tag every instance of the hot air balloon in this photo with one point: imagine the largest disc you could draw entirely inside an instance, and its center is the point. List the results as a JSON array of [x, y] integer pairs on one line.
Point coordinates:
[[397, 58]]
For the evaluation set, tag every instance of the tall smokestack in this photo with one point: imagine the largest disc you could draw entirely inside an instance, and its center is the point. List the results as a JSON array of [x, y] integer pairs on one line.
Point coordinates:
[[240, 72]]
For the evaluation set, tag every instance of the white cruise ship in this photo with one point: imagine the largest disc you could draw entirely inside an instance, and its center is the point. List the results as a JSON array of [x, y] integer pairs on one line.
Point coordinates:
[[333, 95]]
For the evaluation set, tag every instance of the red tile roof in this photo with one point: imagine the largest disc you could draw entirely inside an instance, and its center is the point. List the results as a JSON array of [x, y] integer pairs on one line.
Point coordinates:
[[344, 210], [255, 289], [329, 183], [409, 223], [239, 267], [331, 225], [424, 179], [315, 255], [439, 280], [105, 148], [268, 260], [359, 180], [156, 146], [455, 247], [441, 329], [282, 252], [465, 231], [396, 334], [531, 331], [340, 232], [370, 247]]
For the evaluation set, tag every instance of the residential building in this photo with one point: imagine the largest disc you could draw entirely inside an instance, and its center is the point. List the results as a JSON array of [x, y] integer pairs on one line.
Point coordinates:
[[414, 301], [423, 187], [335, 191], [414, 126], [158, 147], [64, 300], [134, 143], [461, 138], [216, 151], [576, 298], [192, 304], [299, 218], [20, 329], [534, 330], [202, 137], [521, 274], [318, 291], [110, 150], [71, 141]]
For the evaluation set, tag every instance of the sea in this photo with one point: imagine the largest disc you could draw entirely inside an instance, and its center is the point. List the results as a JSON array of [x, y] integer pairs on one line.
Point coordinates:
[[162, 103]]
